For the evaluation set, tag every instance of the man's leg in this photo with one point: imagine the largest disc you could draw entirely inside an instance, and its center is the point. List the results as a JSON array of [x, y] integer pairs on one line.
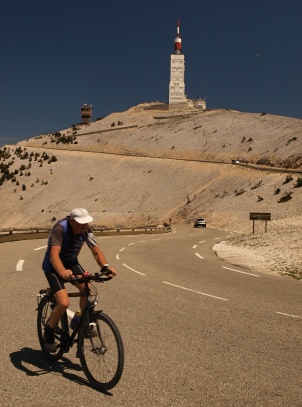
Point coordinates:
[[62, 300], [83, 301], [61, 306]]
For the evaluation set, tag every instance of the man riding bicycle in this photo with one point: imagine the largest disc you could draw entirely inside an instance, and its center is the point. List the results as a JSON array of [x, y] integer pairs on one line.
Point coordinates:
[[61, 264]]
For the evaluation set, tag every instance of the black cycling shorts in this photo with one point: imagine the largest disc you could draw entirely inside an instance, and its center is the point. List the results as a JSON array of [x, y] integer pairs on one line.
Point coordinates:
[[56, 282]]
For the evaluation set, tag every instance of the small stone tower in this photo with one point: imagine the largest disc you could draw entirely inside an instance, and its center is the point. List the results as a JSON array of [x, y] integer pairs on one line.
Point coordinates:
[[86, 112]]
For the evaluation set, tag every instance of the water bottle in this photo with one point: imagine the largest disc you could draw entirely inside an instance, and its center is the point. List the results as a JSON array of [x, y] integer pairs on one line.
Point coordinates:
[[75, 319]]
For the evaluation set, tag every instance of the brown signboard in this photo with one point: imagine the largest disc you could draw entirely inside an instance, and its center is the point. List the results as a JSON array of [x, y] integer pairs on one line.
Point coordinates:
[[260, 216]]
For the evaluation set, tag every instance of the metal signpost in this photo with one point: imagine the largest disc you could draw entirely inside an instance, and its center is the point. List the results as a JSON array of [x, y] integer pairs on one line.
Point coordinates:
[[260, 216]]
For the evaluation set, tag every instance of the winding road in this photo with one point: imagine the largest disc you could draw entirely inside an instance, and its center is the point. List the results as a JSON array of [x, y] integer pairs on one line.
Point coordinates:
[[197, 330]]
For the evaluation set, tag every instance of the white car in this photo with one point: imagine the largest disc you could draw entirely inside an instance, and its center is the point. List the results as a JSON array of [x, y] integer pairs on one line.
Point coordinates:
[[200, 222]]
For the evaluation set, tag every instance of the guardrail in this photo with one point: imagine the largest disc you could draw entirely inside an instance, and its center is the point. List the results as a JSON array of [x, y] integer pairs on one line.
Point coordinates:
[[13, 234]]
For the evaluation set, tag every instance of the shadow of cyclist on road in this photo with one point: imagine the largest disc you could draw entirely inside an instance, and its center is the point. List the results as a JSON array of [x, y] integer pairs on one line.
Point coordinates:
[[33, 363]]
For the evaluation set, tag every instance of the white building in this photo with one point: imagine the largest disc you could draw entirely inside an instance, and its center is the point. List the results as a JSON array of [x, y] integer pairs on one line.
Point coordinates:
[[177, 73]]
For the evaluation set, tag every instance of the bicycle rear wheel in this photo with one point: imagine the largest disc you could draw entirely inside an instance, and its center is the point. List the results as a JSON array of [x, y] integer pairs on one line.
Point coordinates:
[[44, 310], [101, 352]]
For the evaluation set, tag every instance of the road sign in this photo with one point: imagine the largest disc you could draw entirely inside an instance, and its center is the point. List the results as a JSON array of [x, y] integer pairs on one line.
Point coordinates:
[[260, 216]]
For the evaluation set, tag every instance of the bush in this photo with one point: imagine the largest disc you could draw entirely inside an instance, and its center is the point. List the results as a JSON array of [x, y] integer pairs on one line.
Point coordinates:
[[286, 197], [288, 179], [298, 183], [290, 140], [52, 159], [240, 192], [257, 185]]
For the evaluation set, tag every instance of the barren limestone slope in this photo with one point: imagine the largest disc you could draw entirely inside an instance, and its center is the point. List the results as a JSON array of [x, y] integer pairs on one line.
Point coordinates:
[[215, 135], [153, 165], [106, 168]]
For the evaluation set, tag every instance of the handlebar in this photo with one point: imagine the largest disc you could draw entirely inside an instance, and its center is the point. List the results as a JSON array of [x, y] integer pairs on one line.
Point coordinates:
[[100, 277]]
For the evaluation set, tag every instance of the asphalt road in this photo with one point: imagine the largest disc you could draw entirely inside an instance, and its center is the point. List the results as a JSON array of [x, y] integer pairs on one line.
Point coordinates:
[[197, 331]]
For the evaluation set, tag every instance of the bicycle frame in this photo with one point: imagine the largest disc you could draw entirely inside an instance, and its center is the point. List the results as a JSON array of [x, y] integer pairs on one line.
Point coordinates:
[[70, 339]]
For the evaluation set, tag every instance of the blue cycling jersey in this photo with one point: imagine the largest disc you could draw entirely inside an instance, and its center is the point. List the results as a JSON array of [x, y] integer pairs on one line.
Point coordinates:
[[71, 244]]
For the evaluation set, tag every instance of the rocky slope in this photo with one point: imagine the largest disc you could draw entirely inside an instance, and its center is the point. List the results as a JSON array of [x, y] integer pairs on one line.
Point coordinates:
[[148, 164]]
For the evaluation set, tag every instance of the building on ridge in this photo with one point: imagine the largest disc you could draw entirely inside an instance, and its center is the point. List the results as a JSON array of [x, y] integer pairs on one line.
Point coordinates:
[[177, 96], [177, 72], [86, 112]]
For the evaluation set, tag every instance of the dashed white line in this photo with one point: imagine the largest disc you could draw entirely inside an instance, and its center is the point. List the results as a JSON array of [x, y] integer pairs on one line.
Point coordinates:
[[198, 255], [202, 241], [39, 248], [194, 247], [130, 244], [241, 272], [196, 292], [19, 266], [138, 272], [117, 257], [122, 249], [289, 315]]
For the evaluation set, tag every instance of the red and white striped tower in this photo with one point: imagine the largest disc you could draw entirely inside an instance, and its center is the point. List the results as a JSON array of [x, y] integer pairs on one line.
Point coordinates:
[[177, 41], [177, 72]]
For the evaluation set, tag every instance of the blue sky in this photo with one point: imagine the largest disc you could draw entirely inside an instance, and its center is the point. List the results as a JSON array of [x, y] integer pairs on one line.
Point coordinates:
[[114, 54]]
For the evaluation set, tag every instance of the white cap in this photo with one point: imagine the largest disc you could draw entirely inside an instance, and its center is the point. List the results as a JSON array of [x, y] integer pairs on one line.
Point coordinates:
[[81, 215]]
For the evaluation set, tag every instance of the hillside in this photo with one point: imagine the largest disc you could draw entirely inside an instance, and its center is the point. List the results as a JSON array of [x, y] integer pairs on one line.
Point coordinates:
[[153, 165]]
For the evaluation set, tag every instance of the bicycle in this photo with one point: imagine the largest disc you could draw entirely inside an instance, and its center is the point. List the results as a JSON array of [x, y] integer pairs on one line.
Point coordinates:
[[99, 343]]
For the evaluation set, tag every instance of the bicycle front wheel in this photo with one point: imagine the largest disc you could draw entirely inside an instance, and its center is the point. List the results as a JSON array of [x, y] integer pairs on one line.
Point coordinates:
[[101, 352]]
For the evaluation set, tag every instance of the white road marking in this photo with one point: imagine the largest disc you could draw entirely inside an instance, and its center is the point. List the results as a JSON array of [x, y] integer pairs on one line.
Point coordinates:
[[117, 257], [241, 272], [142, 241], [289, 315], [19, 266], [202, 241], [130, 244], [138, 272], [197, 292], [194, 247], [122, 249], [198, 255], [39, 248]]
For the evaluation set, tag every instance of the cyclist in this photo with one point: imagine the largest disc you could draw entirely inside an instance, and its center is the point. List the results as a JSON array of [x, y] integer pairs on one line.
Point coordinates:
[[61, 264]]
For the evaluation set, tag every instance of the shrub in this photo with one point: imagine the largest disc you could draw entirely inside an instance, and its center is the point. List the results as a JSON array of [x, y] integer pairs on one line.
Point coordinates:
[[52, 159], [288, 179], [286, 197], [257, 185], [290, 140], [298, 183], [240, 192]]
